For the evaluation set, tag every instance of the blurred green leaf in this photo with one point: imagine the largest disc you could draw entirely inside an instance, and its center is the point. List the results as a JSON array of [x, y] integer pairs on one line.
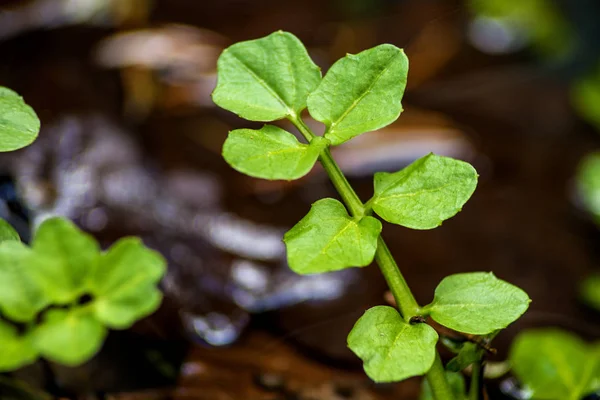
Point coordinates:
[[457, 384], [7, 232], [588, 183], [585, 95], [271, 153], [391, 349], [67, 255], [540, 22], [16, 350], [124, 283], [21, 297], [69, 337], [361, 93], [328, 239], [477, 303], [19, 125], [555, 365], [266, 79], [468, 354], [424, 194], [590, 291]]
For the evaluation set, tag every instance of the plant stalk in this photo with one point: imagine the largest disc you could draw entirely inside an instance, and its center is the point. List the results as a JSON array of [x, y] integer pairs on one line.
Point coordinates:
[[405, 300], [475, 389]]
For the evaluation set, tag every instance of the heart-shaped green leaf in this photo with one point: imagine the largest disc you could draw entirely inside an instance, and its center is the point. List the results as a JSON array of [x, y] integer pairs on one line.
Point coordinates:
[[19, 125], [391, 349], [457, 385], [69, 337], [16, 350], [271, 153], [124, 283], [21, 297], [266, 79], [424, 194], [555, 365], [7, 232], [328, 239], [477, 303], [360, 93], [67, 255]]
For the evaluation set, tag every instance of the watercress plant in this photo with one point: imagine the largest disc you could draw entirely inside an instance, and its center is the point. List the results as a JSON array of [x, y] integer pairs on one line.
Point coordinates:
[[59, 296], [552, 364], [274, 78]]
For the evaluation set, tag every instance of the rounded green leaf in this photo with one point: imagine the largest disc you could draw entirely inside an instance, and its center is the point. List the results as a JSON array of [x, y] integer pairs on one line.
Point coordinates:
[[555, 365], [69, 337], [590, 291], [21, 297], [585, 95], [7, 232], [328, 239], [477, 303], [124, 283], [266, 79], [588, 183], [361, 93], [66, 256], [19, 125], [16, 350], [424, 194], [391, 349], [271, 153]]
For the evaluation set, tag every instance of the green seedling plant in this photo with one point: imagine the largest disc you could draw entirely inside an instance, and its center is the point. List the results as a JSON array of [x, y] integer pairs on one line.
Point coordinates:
[[60, 295], [274, 78], [552, 364]]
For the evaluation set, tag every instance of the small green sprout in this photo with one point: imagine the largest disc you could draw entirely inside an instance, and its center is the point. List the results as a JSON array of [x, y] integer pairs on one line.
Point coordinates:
[[274, 78], [59, 296]]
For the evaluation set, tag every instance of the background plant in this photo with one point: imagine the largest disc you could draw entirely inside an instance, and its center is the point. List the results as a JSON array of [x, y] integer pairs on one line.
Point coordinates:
[[59, 296], [274, 78], [552, 364]]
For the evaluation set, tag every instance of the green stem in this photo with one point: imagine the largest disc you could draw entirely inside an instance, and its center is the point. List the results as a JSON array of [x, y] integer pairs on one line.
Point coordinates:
[[405, 300], [438, 381], [475, 387]]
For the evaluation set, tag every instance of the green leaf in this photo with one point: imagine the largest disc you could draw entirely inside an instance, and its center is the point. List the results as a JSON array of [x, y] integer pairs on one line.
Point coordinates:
[[457, 384], [7, 232], [19, 125], [424, 194], [328, 239], [67, 255], [21, 297], [555, 365], [266, 79], [590, 291], [391, 349], [588, 183], [16, 350], [585, 95], [477, 303], [271, 153], [468, 354], [69, 337], [360, 93], [124, 283]]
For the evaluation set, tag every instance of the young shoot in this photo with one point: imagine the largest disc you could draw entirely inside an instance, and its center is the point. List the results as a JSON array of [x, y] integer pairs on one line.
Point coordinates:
[[274, 78]]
